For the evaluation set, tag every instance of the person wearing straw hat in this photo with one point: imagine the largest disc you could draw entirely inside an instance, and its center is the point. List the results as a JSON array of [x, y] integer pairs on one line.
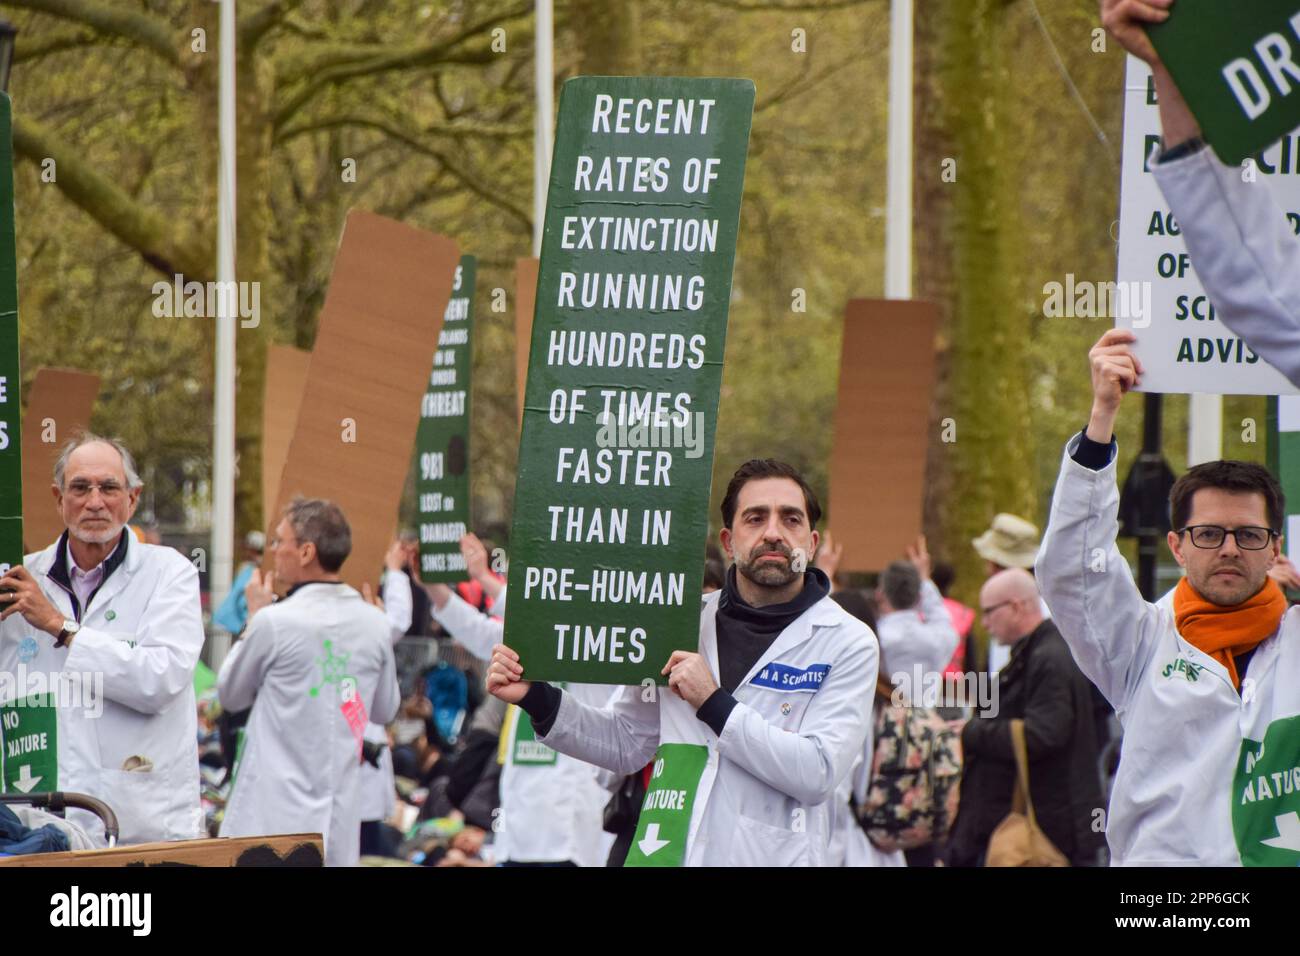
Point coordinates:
[[1010, 542]]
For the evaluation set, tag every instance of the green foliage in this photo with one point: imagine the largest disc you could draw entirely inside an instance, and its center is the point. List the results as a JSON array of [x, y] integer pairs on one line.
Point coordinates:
[[440, 129]]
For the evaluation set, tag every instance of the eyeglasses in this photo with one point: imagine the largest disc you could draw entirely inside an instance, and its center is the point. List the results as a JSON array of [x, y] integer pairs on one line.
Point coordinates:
[[986, 611], [1211, 536], [108, 490]]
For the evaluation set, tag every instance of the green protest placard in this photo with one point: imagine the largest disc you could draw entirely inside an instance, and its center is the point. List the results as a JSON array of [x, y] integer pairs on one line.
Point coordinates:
[[665, 818], [11, 470], [28, 728], [616, 452], [1236, 65], [442, 440]]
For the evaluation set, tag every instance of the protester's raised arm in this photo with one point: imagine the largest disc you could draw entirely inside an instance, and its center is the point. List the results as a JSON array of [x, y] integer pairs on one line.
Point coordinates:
[[475, 554], [1087, 583], [1244, 250], [1115, 370], [1084, 579], [388, 695], [397, 607], [1126, 21], [473, 629]]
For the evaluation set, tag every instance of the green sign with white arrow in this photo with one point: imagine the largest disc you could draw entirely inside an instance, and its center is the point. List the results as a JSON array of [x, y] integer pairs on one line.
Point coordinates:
[[30, 745], [665, 820], [1266, 797], [27, 731], [11, 470]]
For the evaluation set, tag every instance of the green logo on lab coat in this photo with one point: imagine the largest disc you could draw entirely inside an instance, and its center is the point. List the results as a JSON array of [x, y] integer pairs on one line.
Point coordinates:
[[333, 668]]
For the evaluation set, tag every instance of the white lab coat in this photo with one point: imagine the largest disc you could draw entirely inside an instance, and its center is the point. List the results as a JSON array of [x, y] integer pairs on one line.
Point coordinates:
[[377, 788], [1246, 254], [549, 812], [141, 635], [921, 637], [1178, 784], [298, 769], [768, 792]]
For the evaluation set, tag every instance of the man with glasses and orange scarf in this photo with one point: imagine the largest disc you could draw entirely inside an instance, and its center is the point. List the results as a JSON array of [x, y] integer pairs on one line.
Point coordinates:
[[1208, 690]]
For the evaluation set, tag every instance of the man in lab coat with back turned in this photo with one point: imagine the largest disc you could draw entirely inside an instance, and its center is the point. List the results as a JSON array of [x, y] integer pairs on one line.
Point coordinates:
[[314, 667]]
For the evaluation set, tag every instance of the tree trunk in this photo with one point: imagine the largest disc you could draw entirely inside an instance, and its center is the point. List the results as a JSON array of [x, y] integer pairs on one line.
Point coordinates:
[[991, 461], [608, 36]]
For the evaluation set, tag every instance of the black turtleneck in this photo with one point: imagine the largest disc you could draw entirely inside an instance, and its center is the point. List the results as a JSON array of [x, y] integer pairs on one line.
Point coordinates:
[[746, 632]]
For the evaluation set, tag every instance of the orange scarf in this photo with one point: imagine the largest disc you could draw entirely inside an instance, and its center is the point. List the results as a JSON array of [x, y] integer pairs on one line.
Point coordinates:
[[1224, 632]]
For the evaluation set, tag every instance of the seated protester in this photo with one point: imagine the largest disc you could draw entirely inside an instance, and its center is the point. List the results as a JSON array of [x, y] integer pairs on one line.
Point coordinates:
[[914, 626], [418, 753], [759, 763], [1245, 252], [1209, 694], [551, 804], [312, 667], [1041, 685]]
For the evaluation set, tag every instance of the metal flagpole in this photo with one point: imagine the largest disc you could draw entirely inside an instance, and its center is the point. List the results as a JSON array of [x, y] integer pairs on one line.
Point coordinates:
[[1204, 429], [223, 411], [898, 221], [545, 116]]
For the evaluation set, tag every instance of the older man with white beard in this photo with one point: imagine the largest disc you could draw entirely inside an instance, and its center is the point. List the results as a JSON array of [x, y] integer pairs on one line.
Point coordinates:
[[120, 619]]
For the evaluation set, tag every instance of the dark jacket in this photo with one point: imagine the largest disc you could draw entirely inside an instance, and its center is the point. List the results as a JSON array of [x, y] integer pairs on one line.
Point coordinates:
[[1043, 685]]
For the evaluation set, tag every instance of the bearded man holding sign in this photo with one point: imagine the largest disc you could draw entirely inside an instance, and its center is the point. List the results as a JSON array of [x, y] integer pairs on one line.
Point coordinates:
[[756, 729], [1208, 690]]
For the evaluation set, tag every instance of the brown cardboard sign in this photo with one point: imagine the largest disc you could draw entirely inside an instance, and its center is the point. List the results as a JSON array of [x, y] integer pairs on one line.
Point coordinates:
[[59, 405], [368, 373], [299, 849], [525, 302], [882, 421], [286, 377]]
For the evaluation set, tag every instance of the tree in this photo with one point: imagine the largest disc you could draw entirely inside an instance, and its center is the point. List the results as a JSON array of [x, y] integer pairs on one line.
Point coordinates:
[[315, 80]]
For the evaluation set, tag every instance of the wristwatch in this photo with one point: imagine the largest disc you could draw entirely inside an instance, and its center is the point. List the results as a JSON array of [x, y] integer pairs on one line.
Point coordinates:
[[69, 628]]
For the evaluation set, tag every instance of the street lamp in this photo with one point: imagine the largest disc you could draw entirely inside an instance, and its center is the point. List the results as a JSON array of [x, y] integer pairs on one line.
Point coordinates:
[[7, 33]]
